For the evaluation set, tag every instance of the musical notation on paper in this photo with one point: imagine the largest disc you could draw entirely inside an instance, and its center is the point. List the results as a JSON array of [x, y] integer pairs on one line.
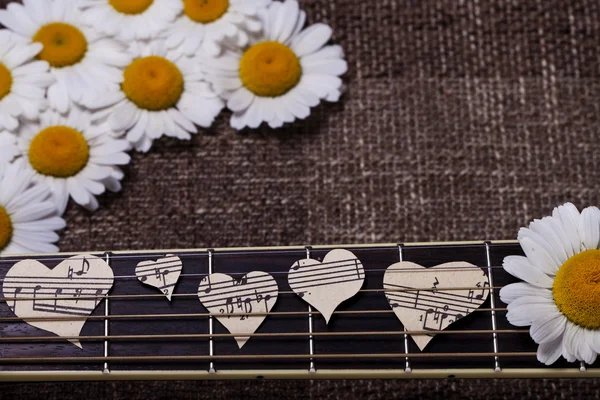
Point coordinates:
[[325, 285], [434, 309], [256, 292], [162, 274], [74, 287]]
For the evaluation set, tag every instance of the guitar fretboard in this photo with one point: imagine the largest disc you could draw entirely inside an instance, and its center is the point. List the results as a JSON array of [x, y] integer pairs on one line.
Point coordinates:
[[135, 332]]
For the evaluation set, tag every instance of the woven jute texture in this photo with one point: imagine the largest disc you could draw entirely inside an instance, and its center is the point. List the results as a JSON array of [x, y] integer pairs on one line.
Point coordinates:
[[461, 119]]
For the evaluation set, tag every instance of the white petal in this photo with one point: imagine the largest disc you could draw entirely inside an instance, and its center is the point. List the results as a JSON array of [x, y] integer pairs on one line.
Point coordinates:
[[548, 329], [520, 267], [589, 227], [525, 310], [511, 292], [240, 100], [538, 251], [569, 217], [549, 352], [311, 39]]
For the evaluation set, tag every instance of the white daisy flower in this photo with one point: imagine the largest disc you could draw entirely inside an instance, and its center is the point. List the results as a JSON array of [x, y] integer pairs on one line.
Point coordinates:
[[8, 147], [163, 93], [23, 81], [282, 74], [130, 19], [82, 61], [28, 214], [560, 297], [210, 24], [73, 156]]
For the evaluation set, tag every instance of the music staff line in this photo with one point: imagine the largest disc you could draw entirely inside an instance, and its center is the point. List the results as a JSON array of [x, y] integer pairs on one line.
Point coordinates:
[[259, 335], [260, 357], [425, 303], [194, 295], [208, 315]]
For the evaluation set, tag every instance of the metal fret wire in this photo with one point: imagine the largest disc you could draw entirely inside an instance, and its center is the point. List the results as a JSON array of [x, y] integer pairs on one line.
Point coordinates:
[[311, 356], [407, 368], [311, 342], [211, 365], [493, 306], [106, 327]]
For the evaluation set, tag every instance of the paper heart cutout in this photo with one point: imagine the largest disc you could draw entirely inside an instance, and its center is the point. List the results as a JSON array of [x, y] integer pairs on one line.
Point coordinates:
[[162, 274], [255, 292], [58, 292], [424, 310], [325, 285]]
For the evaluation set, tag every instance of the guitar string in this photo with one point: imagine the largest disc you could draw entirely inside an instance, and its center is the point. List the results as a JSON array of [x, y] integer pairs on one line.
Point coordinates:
[[258, 357], [407, 270], [269, 335], [300, 250], [207, 315], [195, 295]]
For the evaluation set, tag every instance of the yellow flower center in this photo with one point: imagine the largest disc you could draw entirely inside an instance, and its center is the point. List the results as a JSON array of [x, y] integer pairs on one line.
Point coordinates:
[[205, 11], [153, 83], [576, 289], [6, 228], [131, 7], [6, 81], [59, 151], [270, 69], [64, 44]]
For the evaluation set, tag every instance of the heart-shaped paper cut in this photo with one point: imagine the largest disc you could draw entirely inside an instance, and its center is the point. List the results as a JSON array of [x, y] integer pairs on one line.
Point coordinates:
[[325, 285], [429, 309], [162, 274], [254, 293], [74, 287]]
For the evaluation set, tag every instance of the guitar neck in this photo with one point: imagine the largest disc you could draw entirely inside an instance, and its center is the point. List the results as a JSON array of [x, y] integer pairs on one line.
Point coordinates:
[[135, 332]]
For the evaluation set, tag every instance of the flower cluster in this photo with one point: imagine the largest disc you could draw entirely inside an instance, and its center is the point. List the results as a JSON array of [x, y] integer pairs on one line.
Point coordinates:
[[83, 82]]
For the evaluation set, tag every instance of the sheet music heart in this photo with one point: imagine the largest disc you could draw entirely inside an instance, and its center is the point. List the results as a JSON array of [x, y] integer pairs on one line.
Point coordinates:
[[254, 293], [162, 274], [325, 285], [60, 292], [430, 309]]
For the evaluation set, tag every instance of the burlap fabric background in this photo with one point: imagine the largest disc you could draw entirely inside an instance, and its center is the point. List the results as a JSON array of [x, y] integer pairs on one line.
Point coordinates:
[[462, 119]]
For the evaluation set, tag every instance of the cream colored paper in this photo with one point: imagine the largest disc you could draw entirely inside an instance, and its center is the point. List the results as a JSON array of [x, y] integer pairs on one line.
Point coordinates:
[[430, 309], [74, 287], [325, 285], [162, 274], [254, 293]]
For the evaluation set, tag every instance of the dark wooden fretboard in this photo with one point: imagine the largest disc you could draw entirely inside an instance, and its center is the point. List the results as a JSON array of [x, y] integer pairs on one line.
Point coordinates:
[[137, 334]]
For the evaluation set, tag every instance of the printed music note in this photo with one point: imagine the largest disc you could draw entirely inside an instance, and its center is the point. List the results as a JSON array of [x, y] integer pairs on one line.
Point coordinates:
[[254, 293], [435, 309], [85, 267], [483, 287], [325, 285], [17, 291], [36, 291], [437, 282]]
